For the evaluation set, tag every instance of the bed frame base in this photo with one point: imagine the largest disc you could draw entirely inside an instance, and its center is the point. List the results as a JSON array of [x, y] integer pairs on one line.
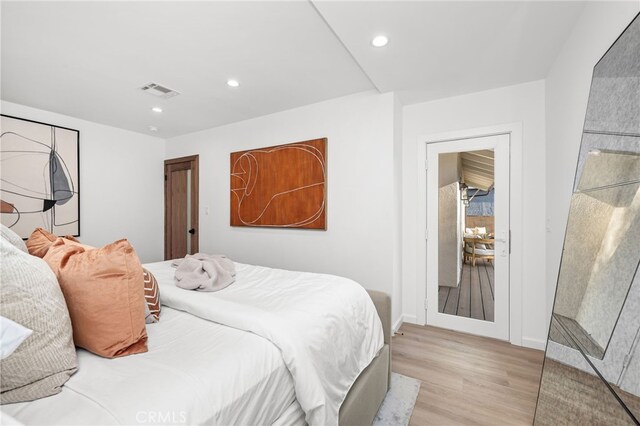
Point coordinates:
[[368, 391]]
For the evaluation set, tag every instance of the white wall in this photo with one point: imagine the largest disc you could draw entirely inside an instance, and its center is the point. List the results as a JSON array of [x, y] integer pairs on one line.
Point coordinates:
[[121, 182], [567, 92], [521, 103], [359, 240]]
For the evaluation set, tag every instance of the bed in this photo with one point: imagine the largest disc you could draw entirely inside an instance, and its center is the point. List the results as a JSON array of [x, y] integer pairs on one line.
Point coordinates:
[[199, 371]]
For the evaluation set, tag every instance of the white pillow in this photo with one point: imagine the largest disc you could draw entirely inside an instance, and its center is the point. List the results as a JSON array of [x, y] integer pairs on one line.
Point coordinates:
[[12, 335], [13, 238]]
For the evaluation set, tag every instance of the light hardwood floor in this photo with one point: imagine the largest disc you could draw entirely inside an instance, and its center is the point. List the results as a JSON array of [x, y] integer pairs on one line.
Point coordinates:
[[467, 380]]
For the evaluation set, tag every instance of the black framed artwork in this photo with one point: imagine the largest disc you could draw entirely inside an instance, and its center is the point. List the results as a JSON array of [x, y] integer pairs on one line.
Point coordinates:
[[39, 177]]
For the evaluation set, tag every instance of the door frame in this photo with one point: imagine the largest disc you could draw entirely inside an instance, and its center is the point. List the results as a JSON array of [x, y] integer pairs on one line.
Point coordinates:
[[499, 327], [195, 190], [514, 130]]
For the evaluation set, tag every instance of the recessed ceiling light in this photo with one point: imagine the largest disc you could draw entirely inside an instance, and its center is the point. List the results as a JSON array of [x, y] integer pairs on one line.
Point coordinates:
[[233, 83], [156, 109], [153, 128], [379, 41]]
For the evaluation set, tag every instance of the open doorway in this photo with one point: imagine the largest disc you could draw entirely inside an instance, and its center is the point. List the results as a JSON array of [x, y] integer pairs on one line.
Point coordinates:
[[181, 207], [468, 193]]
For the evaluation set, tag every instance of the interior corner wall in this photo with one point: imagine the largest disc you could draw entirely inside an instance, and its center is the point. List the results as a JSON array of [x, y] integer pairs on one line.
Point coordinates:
[[359, 240], [396, 299], [121, 182], [520, 103], [567, 92]]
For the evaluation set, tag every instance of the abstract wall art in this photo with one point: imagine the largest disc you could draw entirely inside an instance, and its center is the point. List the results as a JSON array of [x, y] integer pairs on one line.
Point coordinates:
[[39, 177], [281, 186]]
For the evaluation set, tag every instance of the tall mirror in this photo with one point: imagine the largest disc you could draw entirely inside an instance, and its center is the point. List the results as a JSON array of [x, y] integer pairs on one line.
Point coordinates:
[[601, 252], [591, 373]]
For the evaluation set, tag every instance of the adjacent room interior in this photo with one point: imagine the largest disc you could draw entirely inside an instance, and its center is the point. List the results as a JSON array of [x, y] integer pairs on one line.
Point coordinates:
[[320, 212]]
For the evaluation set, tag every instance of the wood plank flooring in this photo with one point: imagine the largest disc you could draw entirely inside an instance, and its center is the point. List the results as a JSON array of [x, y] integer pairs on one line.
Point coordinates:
[[467, 380], [473, 298]]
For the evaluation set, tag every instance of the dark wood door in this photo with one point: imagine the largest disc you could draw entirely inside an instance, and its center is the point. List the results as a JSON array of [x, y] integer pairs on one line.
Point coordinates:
[[180, 207]]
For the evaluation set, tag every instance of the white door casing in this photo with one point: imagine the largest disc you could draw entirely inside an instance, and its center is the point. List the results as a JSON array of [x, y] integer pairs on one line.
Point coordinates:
[[499, 328]]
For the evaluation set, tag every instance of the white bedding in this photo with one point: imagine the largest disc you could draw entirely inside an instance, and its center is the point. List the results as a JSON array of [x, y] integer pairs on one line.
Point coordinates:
[[196, 372], [310, 336], [326, 327]]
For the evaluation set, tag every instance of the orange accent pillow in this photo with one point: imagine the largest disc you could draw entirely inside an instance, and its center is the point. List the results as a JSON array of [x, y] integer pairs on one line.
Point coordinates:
[[71, 238], [104, 291], [40, 240]]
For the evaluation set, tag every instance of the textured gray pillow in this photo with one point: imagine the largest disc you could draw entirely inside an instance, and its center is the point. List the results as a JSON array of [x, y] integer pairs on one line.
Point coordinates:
[[13, 238], [30, 295]]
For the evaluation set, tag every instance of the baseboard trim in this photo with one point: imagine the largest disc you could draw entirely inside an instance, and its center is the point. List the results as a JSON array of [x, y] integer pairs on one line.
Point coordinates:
[[529, 342], [397, 325], [411, 319]]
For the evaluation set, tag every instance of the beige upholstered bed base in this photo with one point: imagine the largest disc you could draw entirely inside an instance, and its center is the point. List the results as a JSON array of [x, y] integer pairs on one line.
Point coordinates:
[[363, 400]]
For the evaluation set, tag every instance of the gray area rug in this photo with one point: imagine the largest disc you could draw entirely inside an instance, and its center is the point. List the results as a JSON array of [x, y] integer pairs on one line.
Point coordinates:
[[398, 405]]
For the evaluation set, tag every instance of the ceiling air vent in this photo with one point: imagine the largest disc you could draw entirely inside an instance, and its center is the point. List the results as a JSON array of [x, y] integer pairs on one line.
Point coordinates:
[[160, 91]]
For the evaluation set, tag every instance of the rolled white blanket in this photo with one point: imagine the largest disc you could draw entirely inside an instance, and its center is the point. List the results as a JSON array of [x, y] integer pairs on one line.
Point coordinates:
[[204, 272]]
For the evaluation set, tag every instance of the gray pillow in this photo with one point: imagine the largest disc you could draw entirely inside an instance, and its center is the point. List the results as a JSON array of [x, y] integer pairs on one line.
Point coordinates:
[[13, 238], [30, 295]]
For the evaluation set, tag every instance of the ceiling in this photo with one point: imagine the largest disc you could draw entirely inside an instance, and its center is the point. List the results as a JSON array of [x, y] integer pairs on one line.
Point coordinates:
[[477, 169], [440, 49], [89, 59]]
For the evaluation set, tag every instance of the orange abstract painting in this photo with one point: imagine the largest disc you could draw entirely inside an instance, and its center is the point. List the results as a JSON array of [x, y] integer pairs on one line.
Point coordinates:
[[280, 186]]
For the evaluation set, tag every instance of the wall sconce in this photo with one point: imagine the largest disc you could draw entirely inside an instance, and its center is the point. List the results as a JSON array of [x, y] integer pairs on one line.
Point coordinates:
[[464, 194]]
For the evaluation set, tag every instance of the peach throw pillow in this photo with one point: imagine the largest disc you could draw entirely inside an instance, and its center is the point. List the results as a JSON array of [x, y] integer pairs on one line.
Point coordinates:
[[104, 291], [40, 240]]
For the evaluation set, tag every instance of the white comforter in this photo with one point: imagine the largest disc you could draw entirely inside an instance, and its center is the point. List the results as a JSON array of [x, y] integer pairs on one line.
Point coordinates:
[[326, 327], [196, 372]]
